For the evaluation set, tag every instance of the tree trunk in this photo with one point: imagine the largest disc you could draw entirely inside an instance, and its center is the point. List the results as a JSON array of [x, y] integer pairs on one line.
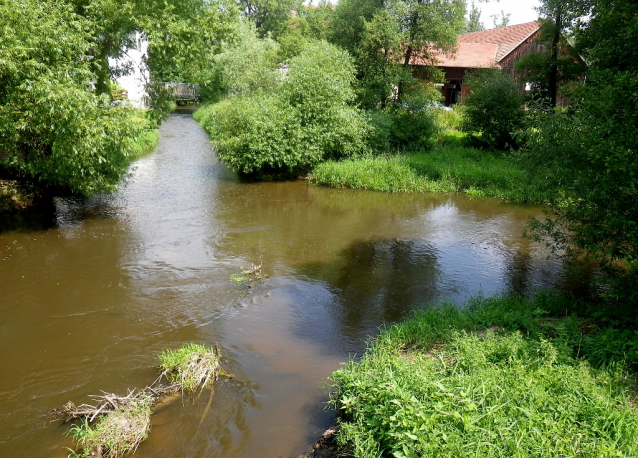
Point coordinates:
[[553, 72]]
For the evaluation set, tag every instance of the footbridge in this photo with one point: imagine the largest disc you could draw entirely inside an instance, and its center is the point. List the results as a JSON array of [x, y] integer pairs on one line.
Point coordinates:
[[183, 93]]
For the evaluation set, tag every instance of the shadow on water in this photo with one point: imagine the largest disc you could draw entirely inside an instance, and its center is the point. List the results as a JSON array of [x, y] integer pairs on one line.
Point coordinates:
[[382, 281], [378, 281], [37, 218]]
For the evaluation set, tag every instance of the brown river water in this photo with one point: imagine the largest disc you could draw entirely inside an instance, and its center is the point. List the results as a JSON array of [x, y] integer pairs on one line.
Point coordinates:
[[89, 300]]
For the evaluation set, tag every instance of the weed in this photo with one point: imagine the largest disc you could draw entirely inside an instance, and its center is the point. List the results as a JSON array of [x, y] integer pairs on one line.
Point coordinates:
[[247, 275], [116, 433], [447, 168], [191, 367], [116, 425], [434, 386]]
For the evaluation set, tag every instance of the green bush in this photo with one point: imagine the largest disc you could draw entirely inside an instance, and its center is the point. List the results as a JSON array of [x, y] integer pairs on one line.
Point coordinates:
[[441, 384], [412, 129], [493, 110], [246, 65], [287, 132], [380, 123], [54, 130]]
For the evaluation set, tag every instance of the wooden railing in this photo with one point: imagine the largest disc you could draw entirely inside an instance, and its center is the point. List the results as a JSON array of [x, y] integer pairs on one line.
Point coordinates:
[[183, 92]]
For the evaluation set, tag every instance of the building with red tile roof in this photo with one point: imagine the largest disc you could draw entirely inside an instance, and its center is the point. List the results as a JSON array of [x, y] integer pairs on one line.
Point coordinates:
[[494, 48]]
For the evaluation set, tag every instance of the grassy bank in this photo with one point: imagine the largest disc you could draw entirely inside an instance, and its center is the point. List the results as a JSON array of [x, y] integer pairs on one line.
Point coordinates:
[[501, 378], [447, 168], [144, 143], [16, 196]]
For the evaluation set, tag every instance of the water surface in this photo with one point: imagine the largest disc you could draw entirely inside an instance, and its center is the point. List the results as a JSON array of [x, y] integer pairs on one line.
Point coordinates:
[[88, 302]]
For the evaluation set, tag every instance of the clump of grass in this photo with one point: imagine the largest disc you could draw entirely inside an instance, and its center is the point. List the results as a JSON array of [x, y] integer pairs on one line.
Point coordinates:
[[145, 143], [116, 433], [437, 385], [381, 173], [191, 367], [447, 168], [116, 425]]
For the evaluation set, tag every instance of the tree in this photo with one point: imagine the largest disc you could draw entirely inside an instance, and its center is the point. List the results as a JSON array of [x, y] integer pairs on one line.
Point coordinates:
[[348, 22], [560, 63], [248, 64], [473, 23], [493, 110], [54, 129], [387, 36], [184, 37], [430, 26], [270, 16], [556, 68], [500, 21], [591, 149]]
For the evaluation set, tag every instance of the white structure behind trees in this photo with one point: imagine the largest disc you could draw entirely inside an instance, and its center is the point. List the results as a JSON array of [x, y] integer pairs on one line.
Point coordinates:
[[131, 72]]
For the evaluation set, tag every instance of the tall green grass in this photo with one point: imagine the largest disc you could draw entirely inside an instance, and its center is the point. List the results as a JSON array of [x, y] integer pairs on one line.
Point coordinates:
[[500, 378], [145, 143], [447, 168]]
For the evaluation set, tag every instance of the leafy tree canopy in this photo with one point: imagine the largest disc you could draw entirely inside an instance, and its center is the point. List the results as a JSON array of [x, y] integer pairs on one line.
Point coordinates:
[[54, 129], [591, 150], [271, 17], [385, 36]]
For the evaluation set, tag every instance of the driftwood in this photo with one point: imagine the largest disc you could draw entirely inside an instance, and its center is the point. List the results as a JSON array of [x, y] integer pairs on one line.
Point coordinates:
[[123, 422], [106, 403]]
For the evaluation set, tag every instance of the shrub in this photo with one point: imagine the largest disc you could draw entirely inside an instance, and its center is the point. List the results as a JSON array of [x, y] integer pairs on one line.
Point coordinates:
[[493, 110], [441, 384], [412, 129], [380, 123], [288, 132]]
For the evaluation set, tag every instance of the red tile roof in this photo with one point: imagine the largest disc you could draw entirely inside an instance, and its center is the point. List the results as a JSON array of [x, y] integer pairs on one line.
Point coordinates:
[[486, 48]]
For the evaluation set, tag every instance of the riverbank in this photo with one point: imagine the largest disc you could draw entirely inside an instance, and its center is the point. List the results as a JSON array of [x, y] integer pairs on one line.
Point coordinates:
[[16, 196], [447, 168], [504, 376]]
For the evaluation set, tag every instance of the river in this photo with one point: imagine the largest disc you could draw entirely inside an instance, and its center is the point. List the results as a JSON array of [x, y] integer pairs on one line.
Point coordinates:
[[89, 300]]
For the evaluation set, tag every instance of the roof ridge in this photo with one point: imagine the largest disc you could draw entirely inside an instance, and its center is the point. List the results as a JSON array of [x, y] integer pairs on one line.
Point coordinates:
[[520, 42]]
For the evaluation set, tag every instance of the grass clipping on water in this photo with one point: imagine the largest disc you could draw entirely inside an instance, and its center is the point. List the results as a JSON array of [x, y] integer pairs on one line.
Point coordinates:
[[116, 425], [436, 386]]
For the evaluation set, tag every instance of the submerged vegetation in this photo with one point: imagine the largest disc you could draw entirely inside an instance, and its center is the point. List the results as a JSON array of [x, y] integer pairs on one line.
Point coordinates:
[[502, 377], [116, 425]]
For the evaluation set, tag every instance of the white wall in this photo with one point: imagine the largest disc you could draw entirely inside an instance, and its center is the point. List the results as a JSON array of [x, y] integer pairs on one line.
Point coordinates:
[[135, 81]]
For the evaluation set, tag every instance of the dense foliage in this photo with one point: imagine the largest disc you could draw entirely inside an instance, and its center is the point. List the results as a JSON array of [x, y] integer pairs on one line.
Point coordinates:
[[247, 64], [441, 384], [589, 151], [54, 129], [386, 36], [493, 110], [286, 132], [185, 36]]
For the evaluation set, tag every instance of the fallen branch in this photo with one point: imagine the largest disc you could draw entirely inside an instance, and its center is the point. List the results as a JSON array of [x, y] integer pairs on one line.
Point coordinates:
[[115, 425]]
